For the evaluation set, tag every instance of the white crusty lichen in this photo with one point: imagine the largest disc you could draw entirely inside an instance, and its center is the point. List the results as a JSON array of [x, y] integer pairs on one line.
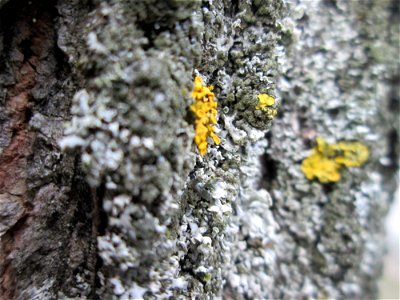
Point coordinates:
[[128, 123]]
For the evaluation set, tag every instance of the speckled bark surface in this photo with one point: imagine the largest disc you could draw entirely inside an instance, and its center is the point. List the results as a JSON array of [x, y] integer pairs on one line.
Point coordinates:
[[241, 222]]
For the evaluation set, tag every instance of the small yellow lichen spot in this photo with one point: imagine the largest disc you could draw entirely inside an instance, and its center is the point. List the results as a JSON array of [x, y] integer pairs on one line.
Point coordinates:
[[205, 111], [265, 103], [353, 154], [320, 167], [327, 160]]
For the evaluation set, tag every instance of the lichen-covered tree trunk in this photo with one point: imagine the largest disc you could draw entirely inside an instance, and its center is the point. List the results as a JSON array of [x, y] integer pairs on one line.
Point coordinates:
[[103, 192]]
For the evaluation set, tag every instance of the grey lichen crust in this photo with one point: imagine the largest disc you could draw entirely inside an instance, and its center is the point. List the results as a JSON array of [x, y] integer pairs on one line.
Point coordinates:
[[229, 223], [337, 84], [130, 124]]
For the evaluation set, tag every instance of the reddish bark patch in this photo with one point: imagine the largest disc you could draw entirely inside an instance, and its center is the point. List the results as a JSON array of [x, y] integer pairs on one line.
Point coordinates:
[[46, 232], [13, 158], [30, 47]]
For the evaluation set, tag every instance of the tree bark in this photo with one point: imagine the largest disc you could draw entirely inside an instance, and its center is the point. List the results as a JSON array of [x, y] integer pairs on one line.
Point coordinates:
[[103, 193]]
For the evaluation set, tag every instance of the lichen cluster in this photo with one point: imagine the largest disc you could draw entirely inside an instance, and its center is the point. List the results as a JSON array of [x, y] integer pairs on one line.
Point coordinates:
[[266, 104], [205, 110], [243, 220], [129, 126], [333, 86], [327, 160]]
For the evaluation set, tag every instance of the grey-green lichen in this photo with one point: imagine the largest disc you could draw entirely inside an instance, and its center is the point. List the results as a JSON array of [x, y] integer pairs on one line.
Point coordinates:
[[242, 43], [129, 122], [181, 225], [333, 85]]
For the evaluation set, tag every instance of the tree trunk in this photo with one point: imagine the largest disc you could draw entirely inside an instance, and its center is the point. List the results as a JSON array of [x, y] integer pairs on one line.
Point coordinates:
[[103, 192]]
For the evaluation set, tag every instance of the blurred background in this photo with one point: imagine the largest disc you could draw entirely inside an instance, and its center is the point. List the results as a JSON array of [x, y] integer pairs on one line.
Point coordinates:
[[389, 283]]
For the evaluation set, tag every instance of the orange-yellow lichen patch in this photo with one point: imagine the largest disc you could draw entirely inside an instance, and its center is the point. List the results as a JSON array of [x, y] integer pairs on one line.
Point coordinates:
[[205, 110], [266, 103], [353, 154], [327, 160]]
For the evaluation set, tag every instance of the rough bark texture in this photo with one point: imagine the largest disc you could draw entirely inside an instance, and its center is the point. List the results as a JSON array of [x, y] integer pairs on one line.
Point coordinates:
[[103, 193], [45, 206]]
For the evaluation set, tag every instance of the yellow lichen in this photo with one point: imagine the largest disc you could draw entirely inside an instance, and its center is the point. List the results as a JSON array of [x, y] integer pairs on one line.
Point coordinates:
[[320, 167], [327, 160], [265, 103], [205, 110], [353, 154]]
